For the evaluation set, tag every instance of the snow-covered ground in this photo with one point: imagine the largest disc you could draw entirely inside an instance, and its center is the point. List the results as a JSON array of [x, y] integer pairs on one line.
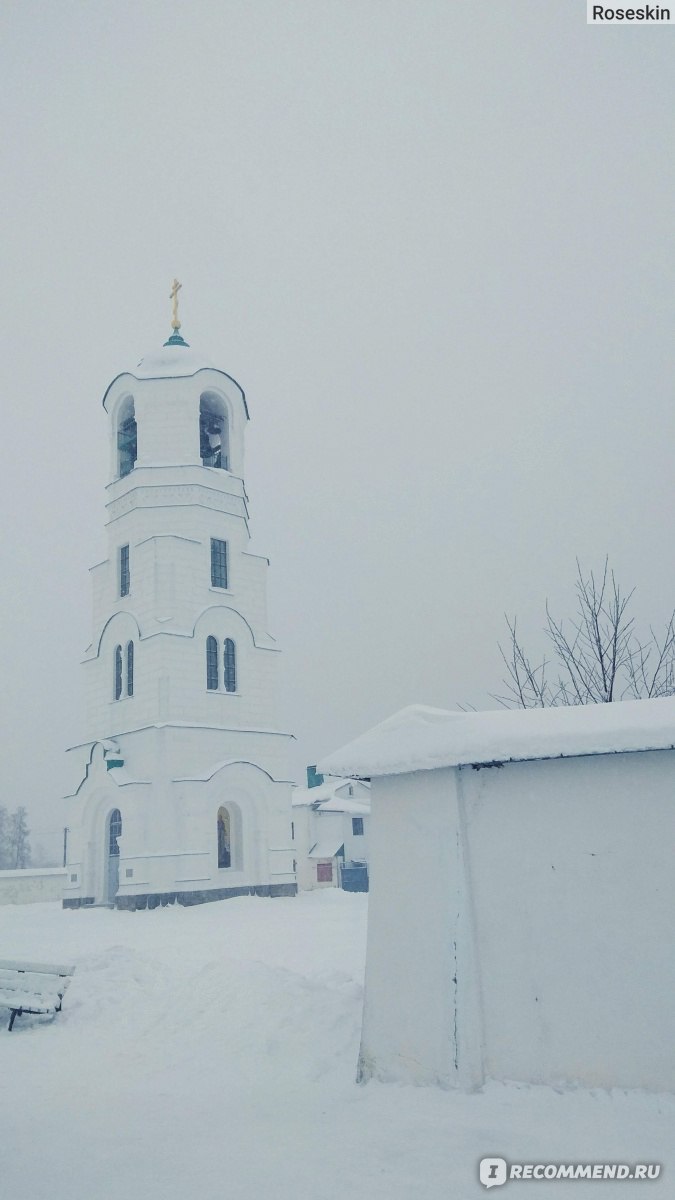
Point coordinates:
[[209, 1053]]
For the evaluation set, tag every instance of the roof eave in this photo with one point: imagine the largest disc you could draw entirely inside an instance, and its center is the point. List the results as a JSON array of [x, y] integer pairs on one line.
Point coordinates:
[[189, 375]]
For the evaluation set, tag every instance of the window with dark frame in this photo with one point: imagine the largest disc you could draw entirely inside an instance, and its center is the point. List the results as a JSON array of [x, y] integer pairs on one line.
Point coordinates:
[[224, 839], [357, 826], [130, 668], [211, 664], [324, 872], [118, 673], [229, 666], [115, 832], [218, 563], [125, 576]]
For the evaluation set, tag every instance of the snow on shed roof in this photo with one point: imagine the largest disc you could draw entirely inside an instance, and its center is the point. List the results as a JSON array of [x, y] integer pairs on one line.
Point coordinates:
[[419, 738]]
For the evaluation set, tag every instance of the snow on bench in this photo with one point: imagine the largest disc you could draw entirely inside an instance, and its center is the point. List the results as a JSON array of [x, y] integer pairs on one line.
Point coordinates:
[[32, 987]]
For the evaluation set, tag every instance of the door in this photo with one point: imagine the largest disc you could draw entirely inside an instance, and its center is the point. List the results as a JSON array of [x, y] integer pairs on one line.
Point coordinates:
[[113, 851]]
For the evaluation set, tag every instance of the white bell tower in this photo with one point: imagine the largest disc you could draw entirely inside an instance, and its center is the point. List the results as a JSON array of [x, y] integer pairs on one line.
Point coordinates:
[[185, 791]]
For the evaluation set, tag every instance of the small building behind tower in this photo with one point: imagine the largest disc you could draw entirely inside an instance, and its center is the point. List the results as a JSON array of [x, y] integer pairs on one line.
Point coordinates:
[[185, 791]]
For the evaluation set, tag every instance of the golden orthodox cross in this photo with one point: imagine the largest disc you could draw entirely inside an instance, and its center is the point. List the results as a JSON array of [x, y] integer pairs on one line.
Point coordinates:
[[175, 324]]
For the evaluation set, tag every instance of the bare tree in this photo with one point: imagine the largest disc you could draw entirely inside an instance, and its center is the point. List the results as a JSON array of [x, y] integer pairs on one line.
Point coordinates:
[[4, 832], [17, 839], [596, 657]]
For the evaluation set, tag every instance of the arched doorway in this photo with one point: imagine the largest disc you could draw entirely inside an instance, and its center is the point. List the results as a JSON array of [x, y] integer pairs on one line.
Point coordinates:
[[113, 831]]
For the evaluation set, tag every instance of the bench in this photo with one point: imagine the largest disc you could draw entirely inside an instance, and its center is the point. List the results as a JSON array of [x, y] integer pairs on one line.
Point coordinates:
[[32, 988]]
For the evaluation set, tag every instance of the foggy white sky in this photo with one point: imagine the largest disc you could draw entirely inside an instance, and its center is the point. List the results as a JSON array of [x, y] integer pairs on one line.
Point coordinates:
[[433, 241]]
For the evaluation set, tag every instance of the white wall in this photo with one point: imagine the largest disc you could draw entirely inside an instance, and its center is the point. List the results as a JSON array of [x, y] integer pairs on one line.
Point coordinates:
[[554, 881], [31, 885], [356, 845], [573, 882], [305, 867], [415, 933], [169, 832]]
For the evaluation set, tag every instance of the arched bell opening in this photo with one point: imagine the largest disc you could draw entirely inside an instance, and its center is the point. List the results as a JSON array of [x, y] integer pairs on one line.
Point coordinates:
[[214, 442], [127, 437]]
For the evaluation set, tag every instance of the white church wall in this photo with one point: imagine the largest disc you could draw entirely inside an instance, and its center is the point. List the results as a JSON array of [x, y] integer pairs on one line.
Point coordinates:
[[32, 885], [175, 752], [167, 415], [170, 559], [104, 712], [187, 858], [170, 680], [195, 752], [162, 569], [168, 842], [525, 932]]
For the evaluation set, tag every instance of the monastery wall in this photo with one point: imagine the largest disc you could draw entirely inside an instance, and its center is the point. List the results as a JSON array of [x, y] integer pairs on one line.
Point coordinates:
[[32, 885]]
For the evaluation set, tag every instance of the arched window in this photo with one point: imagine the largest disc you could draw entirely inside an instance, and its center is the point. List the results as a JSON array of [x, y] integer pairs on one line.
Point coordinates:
[[224, 843], [230, 666], [211, 664], [130, 668], [115, 832], [127, 440], [213, 432], [118, 673]]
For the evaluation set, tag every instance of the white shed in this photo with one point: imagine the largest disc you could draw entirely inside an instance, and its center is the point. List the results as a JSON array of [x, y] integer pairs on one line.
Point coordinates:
[[527, 932]]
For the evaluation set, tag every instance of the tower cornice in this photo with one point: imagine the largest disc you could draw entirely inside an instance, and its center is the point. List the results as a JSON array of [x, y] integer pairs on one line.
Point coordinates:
[[205, 368]]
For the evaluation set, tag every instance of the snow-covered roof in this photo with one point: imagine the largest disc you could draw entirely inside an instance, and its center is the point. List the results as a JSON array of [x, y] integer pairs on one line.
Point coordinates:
[[332, 796], [174, 362], [326, 849], [359, 806], [170, 362], [419, 738]]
